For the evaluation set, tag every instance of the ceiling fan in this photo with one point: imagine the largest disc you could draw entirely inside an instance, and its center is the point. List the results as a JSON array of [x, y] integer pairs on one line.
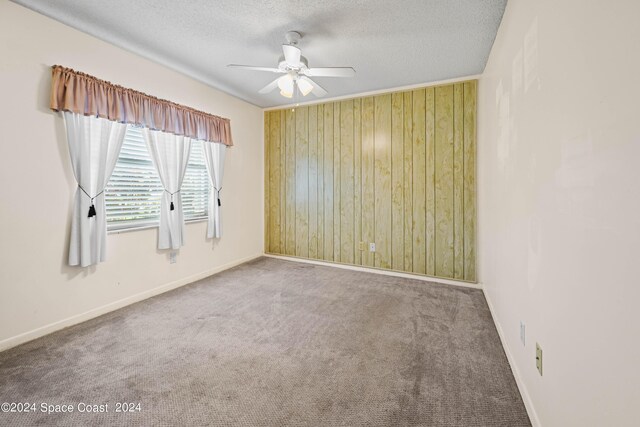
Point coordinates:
[[295, 68]]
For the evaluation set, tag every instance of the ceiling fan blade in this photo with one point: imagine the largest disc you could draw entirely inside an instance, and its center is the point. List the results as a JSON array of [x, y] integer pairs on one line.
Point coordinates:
[[291, 54], [317, 89], [252, 68], [271, 86], [331, 72]]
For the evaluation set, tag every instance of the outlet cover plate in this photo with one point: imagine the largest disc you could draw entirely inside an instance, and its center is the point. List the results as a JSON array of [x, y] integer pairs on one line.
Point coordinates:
[[539, 358], [372, 247], [172, 257], [522, 333]]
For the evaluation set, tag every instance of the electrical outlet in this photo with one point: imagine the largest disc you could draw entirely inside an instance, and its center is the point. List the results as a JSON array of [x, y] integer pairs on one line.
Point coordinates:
[[372, 247], [539, 358], [362, 246], [172, 257], [522, 333]]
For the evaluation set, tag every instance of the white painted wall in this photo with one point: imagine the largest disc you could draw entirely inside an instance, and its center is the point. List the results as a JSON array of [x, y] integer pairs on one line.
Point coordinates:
[[559, 204], [37, 288]]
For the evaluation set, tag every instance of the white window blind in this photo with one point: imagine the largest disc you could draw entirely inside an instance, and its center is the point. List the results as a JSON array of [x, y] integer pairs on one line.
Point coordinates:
[[132, 196], [196, 184]]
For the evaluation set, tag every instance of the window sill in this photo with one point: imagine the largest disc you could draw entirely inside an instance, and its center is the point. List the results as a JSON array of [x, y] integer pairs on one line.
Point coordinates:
[[125, 229]]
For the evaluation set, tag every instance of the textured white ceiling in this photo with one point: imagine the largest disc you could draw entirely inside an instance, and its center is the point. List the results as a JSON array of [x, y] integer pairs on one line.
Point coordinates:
[[389, 43]]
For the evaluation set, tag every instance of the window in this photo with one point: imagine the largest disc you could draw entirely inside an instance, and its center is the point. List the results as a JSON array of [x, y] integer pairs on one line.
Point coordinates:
[[133, 194]]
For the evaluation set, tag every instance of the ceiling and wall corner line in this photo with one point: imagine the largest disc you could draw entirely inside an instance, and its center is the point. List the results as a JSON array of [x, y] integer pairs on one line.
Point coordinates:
[[375, 92]]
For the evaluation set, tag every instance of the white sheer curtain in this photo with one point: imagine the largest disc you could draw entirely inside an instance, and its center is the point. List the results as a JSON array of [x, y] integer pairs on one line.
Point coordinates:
[[214, 158], [170, 155], [94, 146]]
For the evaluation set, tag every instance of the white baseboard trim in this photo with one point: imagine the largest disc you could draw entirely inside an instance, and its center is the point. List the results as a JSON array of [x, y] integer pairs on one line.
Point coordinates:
[[378, 271], [526, 398], [99, 311]]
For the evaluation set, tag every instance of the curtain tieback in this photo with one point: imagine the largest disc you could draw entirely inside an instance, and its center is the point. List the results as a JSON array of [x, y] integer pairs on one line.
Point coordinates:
[[171, 207], [218, 194], [92, 208]]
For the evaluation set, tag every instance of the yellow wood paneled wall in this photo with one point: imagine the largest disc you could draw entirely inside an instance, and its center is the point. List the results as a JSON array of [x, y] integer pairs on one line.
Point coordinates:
[[396, 169]]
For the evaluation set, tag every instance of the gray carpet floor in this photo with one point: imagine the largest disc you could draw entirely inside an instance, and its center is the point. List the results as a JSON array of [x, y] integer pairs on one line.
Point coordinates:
[[276, 343]]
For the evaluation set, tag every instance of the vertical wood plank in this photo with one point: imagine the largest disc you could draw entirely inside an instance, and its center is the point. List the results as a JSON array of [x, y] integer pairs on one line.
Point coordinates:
[[347, 231], [328, 182], [382, 141], [444, 181], [458, 181], [368, 195], [337, 181], [430, 197], [320, 127], [302, 181], [283, 182], [313, 180], [408, 179], [419, 182], [267, 182], [357, 179], [291, 183], [397, 181], [274, 181], [470, 94]]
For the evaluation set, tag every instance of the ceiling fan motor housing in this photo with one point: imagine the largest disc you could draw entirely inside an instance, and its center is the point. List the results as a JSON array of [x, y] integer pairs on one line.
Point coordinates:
[[284, 65]]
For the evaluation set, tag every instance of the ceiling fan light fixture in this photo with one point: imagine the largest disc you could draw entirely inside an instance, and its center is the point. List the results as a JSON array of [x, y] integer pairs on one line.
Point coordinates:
[[305, 86], [285, 83], [286, 94]]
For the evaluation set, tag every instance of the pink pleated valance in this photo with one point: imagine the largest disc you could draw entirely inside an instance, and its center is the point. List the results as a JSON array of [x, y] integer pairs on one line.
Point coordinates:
[[84, 94]]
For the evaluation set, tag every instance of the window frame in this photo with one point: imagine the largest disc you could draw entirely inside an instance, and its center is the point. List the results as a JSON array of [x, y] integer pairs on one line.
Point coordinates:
[[144, 224]]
